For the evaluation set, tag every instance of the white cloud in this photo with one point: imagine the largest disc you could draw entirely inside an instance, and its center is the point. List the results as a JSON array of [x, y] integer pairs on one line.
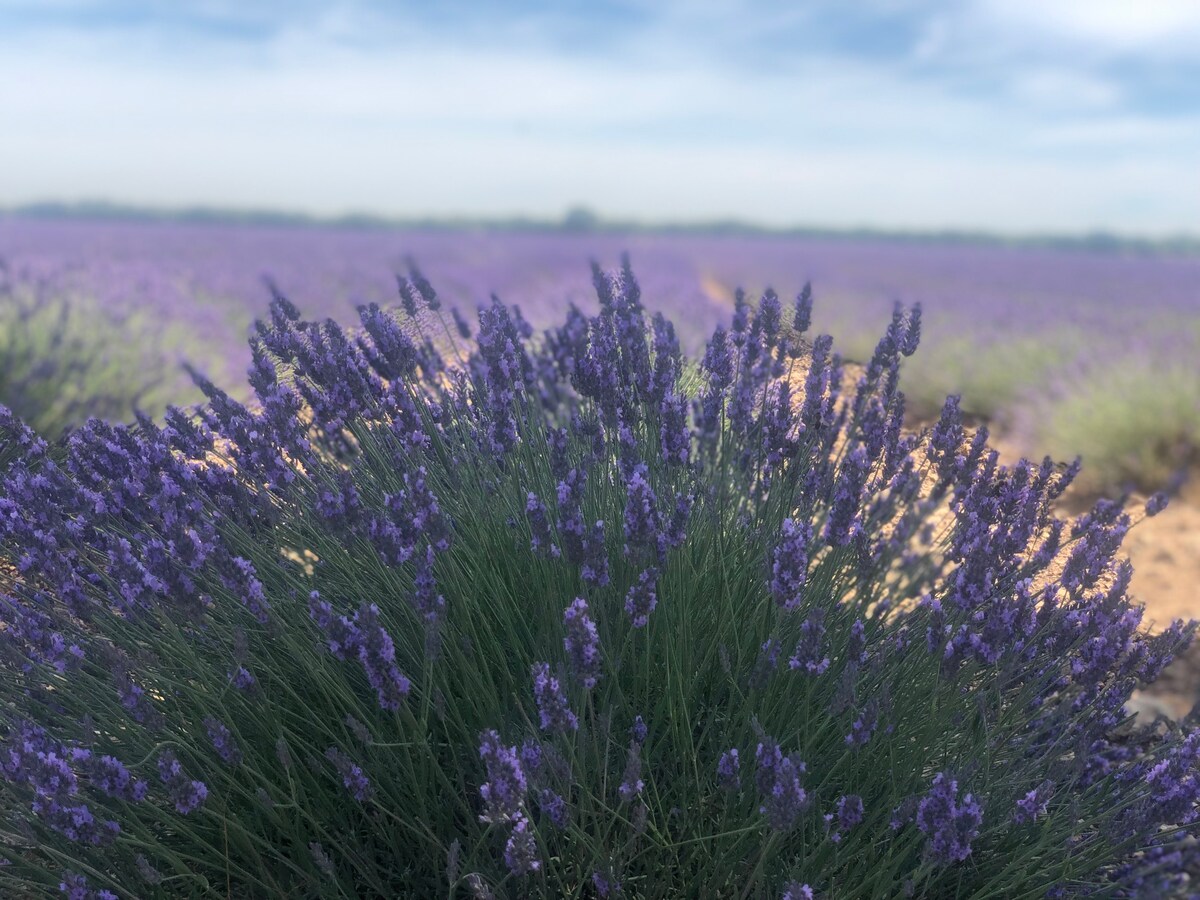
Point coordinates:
[[1109, 24]]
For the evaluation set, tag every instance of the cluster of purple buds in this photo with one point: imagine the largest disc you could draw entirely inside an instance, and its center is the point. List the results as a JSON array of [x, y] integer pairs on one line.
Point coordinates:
[[554, 713], [582, 643], [186, 793], [849, 812], [778, 781], [354, 779], [789, 564], [363, 637], [642, 598], [949, 824]]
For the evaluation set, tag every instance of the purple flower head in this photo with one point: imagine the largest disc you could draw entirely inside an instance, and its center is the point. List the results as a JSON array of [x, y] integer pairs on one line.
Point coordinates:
[[504, 791], [423, 287], [222, 741], [364, 638], [642, 598], [809, 655], [582, 643], [675, 438], [789, 564], [76, 887], [778, 782], [907, 344], [1033, 805], [555, 715], [187, 794], [1157, 503], [948, 823], [541, 541], [638, 730], [802, 317], [426, 600], [554, 807], [642, 520], [353, 777], [847, 498], [729, 771], [242, 678], [148, 873], [1174, 783], [849, 811], [460, 323], [631, 784], [110, 775], [605, 884], [864, 725], [794, 890], [521, 851]]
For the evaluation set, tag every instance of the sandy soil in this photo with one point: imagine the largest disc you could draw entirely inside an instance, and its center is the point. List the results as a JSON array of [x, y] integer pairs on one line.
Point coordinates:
[[1165, 552]]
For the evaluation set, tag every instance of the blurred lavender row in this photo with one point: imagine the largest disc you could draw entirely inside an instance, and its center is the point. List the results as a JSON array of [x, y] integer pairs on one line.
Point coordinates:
[[1067, 351]]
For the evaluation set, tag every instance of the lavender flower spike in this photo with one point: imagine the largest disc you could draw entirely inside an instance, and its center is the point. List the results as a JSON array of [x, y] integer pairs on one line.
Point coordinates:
[[556, 715], [582, 643]]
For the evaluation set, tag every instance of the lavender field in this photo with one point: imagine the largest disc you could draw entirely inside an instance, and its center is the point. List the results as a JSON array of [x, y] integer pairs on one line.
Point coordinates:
[[1067, 352]]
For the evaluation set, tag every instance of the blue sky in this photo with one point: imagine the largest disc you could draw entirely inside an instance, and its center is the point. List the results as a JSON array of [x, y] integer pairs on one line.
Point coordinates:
[[1006, 115]]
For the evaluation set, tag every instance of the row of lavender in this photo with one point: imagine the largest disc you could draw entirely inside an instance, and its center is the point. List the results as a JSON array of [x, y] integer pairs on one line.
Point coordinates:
[[443, 615], [1067, 352]]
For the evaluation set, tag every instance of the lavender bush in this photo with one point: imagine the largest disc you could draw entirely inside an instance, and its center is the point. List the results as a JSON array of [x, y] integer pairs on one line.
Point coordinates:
[[570, 615], [66, 357]]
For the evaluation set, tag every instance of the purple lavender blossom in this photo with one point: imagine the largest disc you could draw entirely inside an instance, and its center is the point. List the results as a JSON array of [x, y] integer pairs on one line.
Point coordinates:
[[864, 725], [675, 438], [1157, 503], [948, 823], [642, 598], [521, 851], [555, 808], [794, 890], [605, 884], [354, 779], [809, 654], [1033, 805], [242, 678], [638, 730], [729, 771], [504, 791], [582, 643], [631, 783], [110, 775], [642, 520], [364, 638], [222, 741], [849, 812], [554, 713], [789, 564], [186, 793], [541, 540], [76, 887], [778, 781]]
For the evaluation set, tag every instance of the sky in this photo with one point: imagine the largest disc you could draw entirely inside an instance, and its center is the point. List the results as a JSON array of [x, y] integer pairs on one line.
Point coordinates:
[[1011, 116]]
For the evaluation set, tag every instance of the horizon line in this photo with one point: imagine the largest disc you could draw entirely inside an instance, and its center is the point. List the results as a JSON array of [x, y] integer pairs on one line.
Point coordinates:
[[580, 219]]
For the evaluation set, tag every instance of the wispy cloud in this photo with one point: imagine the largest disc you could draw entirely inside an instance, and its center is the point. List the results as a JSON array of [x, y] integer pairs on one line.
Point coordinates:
[[986, 116]]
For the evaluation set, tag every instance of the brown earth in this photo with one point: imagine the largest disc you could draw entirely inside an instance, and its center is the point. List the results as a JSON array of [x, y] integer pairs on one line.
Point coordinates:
[[1165, 552]]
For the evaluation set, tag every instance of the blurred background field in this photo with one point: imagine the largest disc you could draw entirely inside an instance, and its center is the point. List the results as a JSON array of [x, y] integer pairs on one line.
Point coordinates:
[[1065, 351]]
